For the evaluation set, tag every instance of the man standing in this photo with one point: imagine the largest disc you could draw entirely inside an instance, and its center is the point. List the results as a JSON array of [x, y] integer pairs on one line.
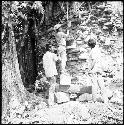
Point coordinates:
[[49, 65], [95, 67], [61, 40]]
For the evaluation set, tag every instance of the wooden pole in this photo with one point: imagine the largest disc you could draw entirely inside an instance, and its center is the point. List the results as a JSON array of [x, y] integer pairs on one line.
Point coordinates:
[[67, 11], [67, 20]]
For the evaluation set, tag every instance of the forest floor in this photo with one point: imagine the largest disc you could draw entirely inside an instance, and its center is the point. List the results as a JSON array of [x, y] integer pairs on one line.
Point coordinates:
[[72, 113]]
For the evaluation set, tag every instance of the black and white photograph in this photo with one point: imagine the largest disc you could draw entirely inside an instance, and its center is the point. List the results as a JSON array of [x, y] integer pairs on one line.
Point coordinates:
[[62, 62]]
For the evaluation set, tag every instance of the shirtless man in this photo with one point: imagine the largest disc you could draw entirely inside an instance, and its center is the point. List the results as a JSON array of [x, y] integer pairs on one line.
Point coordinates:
[[61, 40]]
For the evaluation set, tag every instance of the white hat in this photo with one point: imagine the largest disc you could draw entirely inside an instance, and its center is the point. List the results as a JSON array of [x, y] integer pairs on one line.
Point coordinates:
[[57, 26]]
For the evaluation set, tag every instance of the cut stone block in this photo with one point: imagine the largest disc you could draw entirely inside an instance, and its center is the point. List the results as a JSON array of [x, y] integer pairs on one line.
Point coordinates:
[[74, 89], [65, 79], [62, 97], [86, 89], [85, 97]]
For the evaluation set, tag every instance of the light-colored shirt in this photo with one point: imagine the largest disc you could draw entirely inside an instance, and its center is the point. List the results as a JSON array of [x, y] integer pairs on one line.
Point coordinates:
[[96, 56], [49, 64]]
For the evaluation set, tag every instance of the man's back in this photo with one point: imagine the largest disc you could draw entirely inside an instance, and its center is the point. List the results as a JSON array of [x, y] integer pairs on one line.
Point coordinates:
[[49, 64], [96, 55]]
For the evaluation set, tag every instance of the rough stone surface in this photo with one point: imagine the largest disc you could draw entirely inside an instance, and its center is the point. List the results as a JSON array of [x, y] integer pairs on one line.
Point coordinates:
[[85, 97], [65, 79], [62, 97]]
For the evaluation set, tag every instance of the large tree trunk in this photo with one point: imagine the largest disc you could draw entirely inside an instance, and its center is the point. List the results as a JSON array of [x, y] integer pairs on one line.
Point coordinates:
[[13, 91], [26, 49]]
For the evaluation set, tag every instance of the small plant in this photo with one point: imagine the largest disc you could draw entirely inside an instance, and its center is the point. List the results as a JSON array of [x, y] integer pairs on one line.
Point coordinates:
[[41, 84]]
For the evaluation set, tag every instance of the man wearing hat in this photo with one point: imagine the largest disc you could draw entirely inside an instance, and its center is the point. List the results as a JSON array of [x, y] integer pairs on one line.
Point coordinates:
[[61, 40]]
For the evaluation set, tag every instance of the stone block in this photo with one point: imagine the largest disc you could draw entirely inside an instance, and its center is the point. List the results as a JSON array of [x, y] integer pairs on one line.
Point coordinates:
[[62, 88], [62, 97], [85, 97], [65, 79], [74, 89], [86, 89]]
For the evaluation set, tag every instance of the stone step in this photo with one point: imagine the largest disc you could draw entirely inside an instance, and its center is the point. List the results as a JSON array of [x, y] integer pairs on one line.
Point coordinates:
[[61, 97], [74, 89], [84, 97]]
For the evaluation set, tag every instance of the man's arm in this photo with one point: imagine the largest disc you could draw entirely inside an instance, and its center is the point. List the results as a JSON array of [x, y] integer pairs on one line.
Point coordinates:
[[92, 64], [43, 63], [67, 33], [55, 57]]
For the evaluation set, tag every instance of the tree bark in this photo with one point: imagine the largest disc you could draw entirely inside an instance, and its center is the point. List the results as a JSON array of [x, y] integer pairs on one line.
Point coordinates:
[[12, 85]]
